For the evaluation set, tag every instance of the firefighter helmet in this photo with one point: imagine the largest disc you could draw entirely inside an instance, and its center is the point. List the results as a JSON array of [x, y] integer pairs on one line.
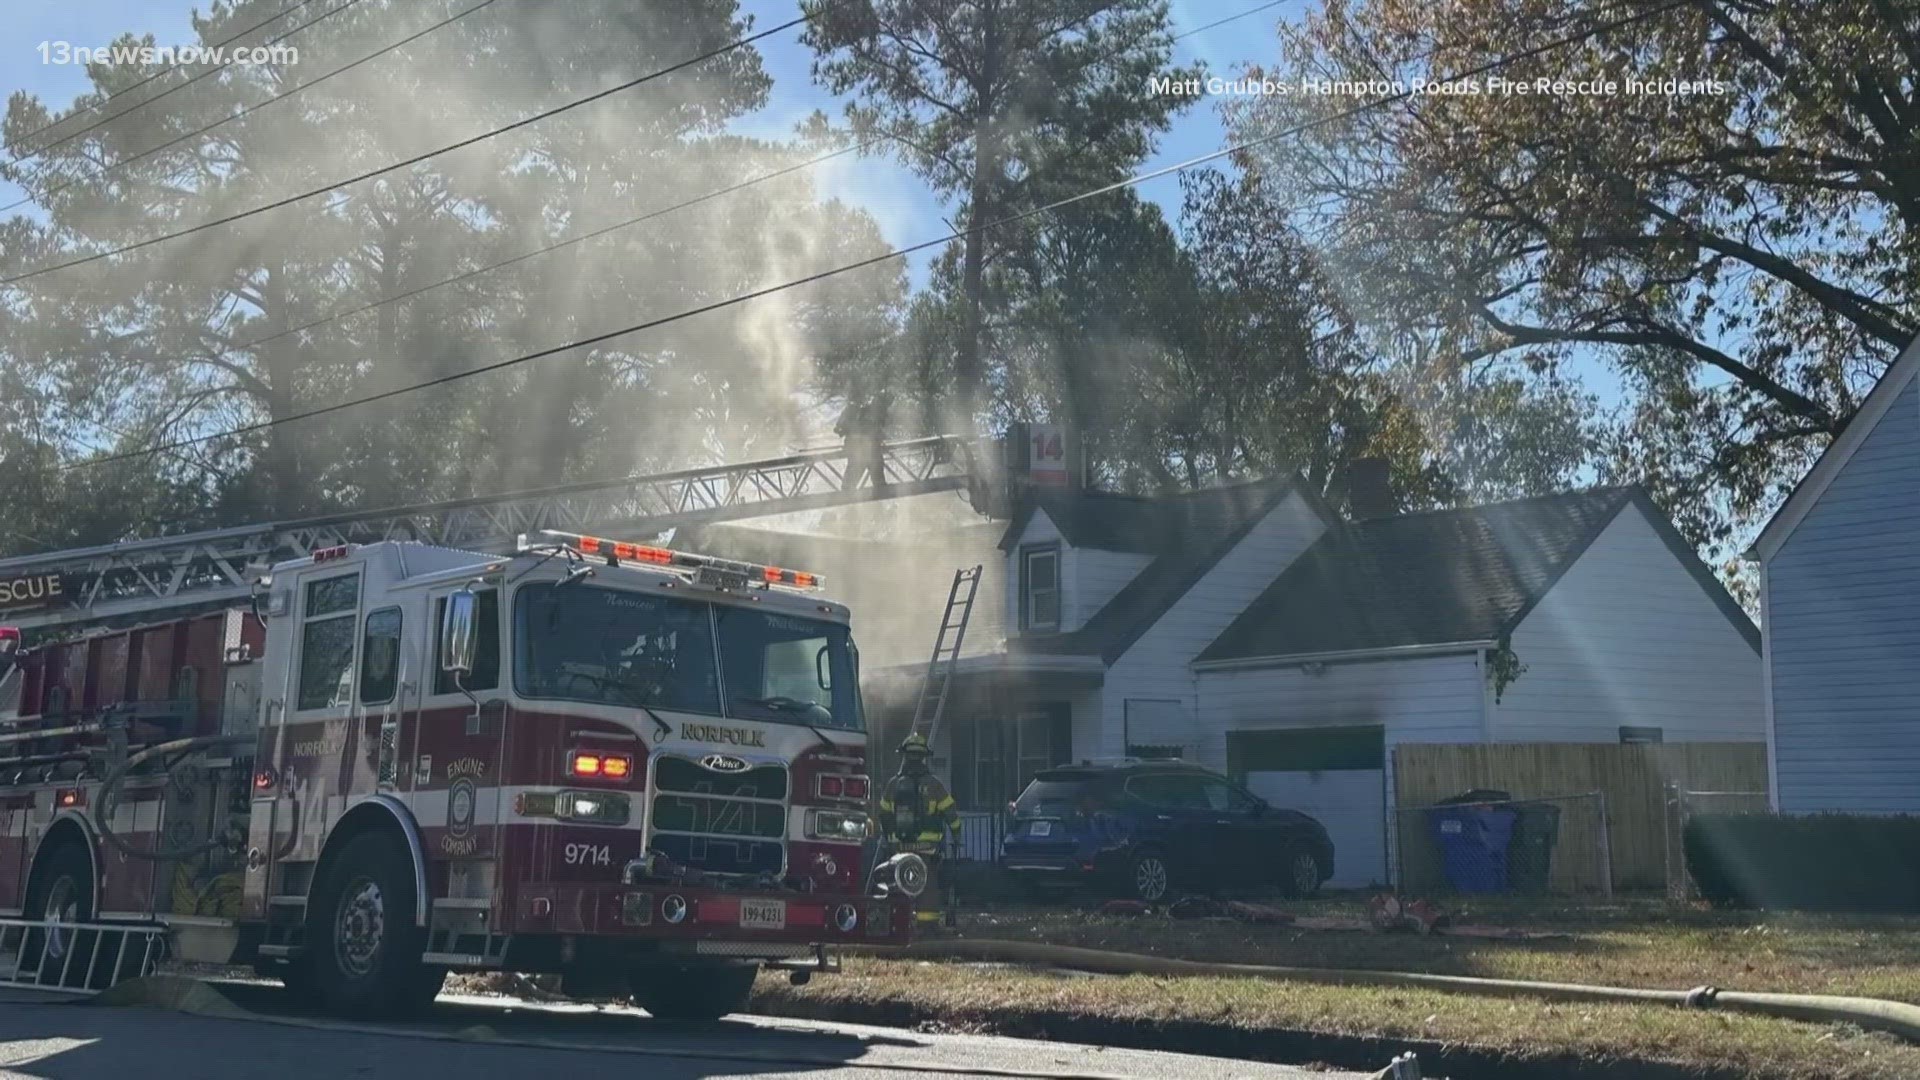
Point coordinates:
[[915, 743]]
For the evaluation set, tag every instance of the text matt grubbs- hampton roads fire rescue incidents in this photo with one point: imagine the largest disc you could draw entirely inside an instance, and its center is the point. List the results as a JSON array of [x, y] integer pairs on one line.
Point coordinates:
[[1489, 86]]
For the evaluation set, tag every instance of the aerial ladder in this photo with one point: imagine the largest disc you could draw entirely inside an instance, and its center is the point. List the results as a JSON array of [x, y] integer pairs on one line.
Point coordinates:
[[144, 579]]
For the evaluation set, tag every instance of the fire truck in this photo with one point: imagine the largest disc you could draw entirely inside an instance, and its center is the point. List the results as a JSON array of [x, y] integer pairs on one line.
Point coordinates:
[[639, 767]]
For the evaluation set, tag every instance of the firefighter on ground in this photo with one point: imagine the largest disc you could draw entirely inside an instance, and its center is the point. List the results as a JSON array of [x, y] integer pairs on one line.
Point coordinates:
[[917, 813]]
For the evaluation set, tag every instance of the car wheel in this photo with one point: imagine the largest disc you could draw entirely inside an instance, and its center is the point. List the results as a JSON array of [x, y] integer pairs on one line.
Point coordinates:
[[1303, 873], [1150, 878]]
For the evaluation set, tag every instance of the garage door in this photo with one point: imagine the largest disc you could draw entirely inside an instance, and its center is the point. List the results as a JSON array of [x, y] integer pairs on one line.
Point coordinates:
[[1335, 775]]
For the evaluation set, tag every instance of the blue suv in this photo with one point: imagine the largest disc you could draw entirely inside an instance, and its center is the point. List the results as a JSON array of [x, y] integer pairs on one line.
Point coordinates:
[[1152, 829]]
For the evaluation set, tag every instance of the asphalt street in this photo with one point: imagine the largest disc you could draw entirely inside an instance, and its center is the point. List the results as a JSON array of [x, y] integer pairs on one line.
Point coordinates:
[[61, 1038]]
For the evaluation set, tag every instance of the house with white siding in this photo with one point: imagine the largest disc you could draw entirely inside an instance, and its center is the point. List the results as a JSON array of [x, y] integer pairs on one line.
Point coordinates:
[[1581, 617], [1251, 629], [1840, 601]]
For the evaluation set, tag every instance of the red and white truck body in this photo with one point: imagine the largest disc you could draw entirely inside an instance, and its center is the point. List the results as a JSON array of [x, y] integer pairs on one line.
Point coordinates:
[[585, 757]]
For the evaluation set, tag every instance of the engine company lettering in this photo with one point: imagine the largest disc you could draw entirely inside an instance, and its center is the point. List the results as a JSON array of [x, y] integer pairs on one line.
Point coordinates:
[[31, 591], [716, 733], [462, 801]]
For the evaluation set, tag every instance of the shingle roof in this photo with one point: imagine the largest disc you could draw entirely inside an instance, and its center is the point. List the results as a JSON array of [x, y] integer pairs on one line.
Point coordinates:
[[1426, 579], [1145, 524], [1190, 532]]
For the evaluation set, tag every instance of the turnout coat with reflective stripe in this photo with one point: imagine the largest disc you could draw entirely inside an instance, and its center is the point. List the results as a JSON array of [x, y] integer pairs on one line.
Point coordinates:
[[918, 810]]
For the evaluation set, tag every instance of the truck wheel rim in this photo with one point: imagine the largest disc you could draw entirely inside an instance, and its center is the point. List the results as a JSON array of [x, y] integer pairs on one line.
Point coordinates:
[[63, 907], [359, 925], [1150, 878], [1306, 873]]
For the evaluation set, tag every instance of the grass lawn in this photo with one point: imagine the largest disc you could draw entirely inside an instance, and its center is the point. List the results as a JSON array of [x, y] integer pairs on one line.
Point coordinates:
[[1641, 944], [1202, 1014]]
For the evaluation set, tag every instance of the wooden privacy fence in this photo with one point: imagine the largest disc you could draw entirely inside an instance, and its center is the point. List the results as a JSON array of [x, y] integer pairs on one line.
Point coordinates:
[[1633, 779]]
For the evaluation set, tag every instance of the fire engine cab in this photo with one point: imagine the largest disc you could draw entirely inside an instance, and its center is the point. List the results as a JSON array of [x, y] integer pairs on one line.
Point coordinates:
[[638, 767]]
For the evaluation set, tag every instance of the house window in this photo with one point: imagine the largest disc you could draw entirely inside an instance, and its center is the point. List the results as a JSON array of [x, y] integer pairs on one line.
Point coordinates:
[[990, 762], [1046, 740], [1040, 588], [1630, 735], [326, 642]]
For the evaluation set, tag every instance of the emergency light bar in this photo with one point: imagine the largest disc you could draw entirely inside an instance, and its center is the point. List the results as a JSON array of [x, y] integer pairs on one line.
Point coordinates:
[[618, 551]]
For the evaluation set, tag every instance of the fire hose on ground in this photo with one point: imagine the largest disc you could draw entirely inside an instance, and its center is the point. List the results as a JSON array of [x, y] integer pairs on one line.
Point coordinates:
[[1896, 1017]]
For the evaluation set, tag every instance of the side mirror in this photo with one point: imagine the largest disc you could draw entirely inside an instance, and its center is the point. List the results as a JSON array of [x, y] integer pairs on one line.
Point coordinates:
[[458, 633], [821, 673]]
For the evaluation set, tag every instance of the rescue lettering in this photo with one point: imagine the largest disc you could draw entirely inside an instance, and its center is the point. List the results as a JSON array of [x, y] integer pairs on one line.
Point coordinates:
[[31, 591], [716, 733]]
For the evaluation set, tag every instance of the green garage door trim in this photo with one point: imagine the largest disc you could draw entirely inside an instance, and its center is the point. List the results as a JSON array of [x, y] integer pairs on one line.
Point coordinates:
[[1306, 750]]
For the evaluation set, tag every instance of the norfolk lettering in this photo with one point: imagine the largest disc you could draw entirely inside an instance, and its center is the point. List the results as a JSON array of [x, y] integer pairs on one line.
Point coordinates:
[[716, 733]]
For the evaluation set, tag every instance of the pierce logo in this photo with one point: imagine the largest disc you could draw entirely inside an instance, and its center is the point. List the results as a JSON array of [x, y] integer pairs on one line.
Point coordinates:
[[723, 763]]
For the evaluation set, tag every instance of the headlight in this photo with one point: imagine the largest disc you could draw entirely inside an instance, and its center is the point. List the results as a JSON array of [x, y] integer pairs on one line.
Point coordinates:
[[846, 826], [601, 807]]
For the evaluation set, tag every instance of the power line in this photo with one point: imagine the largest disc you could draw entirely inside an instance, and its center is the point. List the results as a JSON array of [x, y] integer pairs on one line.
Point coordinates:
[[130, 88], [642, 218], [231, 117], [742, 298], [415, 159]]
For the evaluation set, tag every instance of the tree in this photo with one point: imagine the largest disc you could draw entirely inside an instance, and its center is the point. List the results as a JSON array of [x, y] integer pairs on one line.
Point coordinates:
[[1743, 257], [1001, 106], [210, 330]]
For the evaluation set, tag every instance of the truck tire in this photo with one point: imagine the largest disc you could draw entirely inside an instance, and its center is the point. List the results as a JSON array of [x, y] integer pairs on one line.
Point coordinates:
[[62, 891], [693, 991], [363, 950]]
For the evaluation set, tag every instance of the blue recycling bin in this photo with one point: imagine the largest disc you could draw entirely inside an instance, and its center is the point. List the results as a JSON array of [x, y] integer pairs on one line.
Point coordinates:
[[1473, 841]]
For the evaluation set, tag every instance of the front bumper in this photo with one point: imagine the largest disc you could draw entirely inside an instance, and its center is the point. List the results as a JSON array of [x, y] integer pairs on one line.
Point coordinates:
[[640, 912]]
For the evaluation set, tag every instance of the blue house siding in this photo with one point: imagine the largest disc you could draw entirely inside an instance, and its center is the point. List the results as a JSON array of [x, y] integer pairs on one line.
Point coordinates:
[[1843, 620]]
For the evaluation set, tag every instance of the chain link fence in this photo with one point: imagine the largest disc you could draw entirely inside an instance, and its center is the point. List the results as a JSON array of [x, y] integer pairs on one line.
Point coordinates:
[[1681, 806], [1552, 846]]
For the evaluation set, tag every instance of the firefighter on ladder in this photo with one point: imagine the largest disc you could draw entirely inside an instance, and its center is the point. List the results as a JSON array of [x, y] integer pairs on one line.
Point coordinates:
[[918, 814]]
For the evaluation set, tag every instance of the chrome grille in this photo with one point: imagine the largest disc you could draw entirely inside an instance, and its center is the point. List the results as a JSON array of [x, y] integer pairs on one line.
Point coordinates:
[[726, 823]]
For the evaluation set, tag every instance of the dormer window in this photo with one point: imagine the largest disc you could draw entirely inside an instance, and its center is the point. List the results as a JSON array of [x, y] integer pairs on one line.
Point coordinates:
[[1040, 588]]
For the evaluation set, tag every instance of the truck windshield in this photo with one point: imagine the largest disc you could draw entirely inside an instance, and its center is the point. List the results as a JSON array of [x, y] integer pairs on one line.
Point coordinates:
[[787, 669], [583, 643], [609, 646]]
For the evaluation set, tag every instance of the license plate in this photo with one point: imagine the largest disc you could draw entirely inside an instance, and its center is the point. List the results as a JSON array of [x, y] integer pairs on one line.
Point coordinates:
[[763, 914], [1040, 828]]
